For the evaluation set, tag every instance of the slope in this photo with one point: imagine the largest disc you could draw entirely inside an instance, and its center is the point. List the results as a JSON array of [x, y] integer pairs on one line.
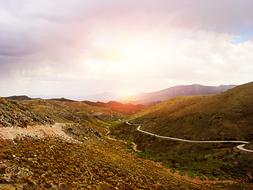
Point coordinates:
[[118, 107], [14, 113], [180, 90], [227, 116]]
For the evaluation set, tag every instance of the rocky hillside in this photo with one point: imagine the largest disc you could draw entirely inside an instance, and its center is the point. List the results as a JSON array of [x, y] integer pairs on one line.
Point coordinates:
[[54, 164], [13, 113]]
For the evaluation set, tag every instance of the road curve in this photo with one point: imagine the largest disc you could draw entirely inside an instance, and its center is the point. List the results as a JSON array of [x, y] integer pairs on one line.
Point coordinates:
[[240, 146]]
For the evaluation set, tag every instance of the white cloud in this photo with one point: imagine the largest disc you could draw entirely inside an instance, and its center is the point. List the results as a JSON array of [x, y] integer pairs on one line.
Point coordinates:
[[83, 47]]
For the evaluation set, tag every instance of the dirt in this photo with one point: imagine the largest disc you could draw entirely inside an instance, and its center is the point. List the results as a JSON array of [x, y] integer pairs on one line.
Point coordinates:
[[38, 132], [51, 163]]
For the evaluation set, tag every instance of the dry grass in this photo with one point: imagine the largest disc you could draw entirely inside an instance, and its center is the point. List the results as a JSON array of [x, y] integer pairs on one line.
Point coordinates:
[[228, 115]]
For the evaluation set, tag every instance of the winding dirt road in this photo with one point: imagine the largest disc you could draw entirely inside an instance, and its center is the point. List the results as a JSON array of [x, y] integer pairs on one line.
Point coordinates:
[[240, 146]]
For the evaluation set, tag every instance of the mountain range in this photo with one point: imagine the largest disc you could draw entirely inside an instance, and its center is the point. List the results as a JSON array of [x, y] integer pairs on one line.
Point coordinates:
[[175, 91]]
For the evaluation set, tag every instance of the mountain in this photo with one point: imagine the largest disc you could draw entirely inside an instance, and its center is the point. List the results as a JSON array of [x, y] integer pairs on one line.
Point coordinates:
[[225, 116], [228, 115], [180, 90]]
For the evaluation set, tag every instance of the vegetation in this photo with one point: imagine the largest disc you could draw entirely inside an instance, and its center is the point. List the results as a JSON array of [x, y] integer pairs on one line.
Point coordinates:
[[227, 116], [220, 161], [55, 164], [52, 163], [127, 109]]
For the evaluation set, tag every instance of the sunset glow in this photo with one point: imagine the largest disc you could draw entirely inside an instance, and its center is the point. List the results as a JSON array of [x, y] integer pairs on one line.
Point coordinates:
[[126, 94], [122, 48]]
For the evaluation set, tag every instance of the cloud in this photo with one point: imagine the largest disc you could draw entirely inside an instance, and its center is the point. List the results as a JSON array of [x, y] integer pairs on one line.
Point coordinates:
[[81, 47]]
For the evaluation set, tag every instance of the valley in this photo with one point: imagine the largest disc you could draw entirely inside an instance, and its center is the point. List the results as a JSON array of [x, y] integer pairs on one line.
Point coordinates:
[[204, 136], [65, 144]]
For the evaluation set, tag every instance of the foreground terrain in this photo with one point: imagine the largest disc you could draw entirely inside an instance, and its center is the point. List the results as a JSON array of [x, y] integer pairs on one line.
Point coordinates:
[[65, 144], [55, 164], [38, 153]]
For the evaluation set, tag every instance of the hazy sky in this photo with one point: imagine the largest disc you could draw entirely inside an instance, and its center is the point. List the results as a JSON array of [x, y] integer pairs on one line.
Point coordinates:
[[74, 48]]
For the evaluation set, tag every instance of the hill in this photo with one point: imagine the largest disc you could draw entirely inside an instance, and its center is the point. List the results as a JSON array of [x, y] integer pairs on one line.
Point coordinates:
[[180, 90], [68, 111], [13, 113], [62, 99], [118, 107], [228, 115], [22, 97]]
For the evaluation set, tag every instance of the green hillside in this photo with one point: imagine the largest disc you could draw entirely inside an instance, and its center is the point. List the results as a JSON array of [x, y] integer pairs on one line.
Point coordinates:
[[228, 115]]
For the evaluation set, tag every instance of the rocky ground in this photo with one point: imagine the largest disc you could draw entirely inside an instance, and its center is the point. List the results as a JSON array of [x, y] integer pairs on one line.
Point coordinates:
[[57, 164], [14, 114], [36, 132]]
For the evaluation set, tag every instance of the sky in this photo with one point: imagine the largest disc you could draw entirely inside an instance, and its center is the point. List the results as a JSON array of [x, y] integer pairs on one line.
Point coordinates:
[[93, 48]]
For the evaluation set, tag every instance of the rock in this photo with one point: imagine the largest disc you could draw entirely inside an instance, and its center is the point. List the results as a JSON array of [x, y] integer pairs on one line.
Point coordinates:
[[24, 173], [65, 187], [6, 178], [3, 168], [98, 134], [249, 175]]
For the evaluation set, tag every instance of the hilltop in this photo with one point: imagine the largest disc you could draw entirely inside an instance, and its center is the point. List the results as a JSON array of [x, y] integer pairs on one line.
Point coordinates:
[[21, 97], [175, 91]]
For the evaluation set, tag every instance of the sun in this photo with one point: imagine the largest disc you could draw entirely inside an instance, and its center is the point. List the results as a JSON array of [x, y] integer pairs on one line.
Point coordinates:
[[127, 92]]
